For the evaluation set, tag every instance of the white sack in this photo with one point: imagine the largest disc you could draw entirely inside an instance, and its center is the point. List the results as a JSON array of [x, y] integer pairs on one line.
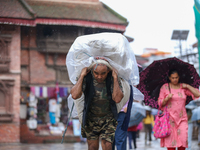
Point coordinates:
[[112, 46], [126, 89], [70, 102]]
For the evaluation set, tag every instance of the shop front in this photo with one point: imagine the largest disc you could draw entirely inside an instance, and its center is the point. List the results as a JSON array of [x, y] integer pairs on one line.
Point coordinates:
[[44, 115]]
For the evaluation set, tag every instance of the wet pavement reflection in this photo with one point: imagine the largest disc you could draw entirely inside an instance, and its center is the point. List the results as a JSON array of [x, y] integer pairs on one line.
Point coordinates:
[[155, 144]]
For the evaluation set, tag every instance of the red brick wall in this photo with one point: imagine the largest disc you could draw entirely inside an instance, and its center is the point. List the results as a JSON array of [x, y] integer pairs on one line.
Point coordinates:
[[9, 132], [39, 73], [24, 57], [61, 60], [35, 70]]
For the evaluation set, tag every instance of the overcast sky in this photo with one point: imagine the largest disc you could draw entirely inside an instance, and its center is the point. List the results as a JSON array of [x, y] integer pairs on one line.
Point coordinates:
[[151, 22]]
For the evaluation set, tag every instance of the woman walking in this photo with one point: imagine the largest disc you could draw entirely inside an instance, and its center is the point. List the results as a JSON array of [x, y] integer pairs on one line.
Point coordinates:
[[148, 125], [173, 96]]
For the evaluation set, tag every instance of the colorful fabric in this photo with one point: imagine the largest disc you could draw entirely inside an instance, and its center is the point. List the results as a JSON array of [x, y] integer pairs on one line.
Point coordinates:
[[178, 116], [140, 126], [162, 127], [44, 91], [48, 91], [37, 91]]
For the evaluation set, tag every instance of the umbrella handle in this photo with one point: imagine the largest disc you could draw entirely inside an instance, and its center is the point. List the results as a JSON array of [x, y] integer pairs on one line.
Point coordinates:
[[67, 123]]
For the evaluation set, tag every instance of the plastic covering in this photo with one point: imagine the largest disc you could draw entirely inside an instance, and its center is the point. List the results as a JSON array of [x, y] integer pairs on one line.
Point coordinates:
[[114, 47]]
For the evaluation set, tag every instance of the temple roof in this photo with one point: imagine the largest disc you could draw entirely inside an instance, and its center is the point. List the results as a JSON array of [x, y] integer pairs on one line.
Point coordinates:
[[33, 12], [14, 9], [95, 11]]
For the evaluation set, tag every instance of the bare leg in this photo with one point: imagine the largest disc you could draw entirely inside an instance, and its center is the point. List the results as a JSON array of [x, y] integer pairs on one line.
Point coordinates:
[[106, 145], [93, 144]]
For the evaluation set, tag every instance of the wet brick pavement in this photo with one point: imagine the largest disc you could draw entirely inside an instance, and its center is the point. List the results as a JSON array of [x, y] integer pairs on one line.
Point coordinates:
[[155, 145]]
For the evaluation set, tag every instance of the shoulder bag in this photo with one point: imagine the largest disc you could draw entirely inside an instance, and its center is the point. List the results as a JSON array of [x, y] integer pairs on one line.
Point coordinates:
[[162, 126]]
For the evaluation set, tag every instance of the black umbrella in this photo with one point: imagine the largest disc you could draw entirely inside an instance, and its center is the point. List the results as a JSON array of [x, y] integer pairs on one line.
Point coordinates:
[[155, 75]]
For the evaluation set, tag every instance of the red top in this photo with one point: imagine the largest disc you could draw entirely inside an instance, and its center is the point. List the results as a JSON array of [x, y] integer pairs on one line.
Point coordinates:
[[133, 128]]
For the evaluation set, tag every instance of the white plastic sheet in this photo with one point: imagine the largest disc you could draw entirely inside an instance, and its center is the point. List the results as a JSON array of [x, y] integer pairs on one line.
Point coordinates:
[[112, 46], [115, 48]]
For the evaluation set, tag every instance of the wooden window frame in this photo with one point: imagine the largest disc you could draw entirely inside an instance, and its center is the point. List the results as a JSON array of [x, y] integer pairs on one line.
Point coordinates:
[[6, 112], [5, 40]]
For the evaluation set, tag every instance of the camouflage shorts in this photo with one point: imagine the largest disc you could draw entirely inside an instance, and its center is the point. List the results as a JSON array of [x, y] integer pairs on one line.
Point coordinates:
[[103, 127]]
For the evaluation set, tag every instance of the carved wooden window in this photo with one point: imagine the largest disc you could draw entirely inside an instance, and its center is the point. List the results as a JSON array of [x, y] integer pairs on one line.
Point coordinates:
[[6, 99], [2, 100], [4, 53], [55, 39]]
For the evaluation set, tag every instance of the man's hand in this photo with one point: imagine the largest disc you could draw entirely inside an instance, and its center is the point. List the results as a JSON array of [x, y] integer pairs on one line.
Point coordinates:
[[114, 73], [117, 94], [84, 72], [76, 90]]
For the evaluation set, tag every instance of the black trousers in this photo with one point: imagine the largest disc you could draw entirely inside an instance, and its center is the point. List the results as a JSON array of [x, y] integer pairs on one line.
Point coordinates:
[[148, 131]]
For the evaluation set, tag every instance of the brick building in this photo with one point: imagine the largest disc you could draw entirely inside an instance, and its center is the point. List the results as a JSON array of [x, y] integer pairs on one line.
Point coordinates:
[[35, 36]]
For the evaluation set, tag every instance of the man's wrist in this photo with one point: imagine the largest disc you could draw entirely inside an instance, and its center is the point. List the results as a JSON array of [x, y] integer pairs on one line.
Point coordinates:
[[82, 76], [115, 77]]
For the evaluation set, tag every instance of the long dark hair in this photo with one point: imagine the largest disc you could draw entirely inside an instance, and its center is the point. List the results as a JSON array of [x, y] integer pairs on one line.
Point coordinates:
[[171, 71]]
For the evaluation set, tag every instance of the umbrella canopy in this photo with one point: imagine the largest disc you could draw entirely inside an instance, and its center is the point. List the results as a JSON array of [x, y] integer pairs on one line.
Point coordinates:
[[154, 111], [138, 113], [191, 105], [196, 114], [155, 75]]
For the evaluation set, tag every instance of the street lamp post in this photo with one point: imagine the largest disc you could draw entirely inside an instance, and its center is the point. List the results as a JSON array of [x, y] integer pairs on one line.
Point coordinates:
[[180, 35]]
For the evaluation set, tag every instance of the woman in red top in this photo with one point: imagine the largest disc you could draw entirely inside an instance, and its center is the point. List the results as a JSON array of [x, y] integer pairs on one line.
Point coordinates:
[[132, 132]]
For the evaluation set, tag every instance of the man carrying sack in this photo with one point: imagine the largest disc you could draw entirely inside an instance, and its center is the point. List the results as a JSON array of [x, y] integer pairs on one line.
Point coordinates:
[[103, 69], [102, 90]]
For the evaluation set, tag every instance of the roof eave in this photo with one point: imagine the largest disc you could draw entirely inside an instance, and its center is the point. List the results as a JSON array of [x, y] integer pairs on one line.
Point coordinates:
[[70, 22]]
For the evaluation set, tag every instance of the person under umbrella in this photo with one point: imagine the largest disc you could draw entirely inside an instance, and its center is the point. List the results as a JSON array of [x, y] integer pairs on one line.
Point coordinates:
[[155, 75], [173, 95]]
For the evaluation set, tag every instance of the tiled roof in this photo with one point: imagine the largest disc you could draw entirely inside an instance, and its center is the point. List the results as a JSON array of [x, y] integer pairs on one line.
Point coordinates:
[[95, 11], [14, 9], [87, 14]]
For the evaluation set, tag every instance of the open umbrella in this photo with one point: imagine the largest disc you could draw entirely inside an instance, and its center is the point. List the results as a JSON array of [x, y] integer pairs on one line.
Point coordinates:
[[191, 105], [196, 114], [138, 113], [154, 111], [155, 75]]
